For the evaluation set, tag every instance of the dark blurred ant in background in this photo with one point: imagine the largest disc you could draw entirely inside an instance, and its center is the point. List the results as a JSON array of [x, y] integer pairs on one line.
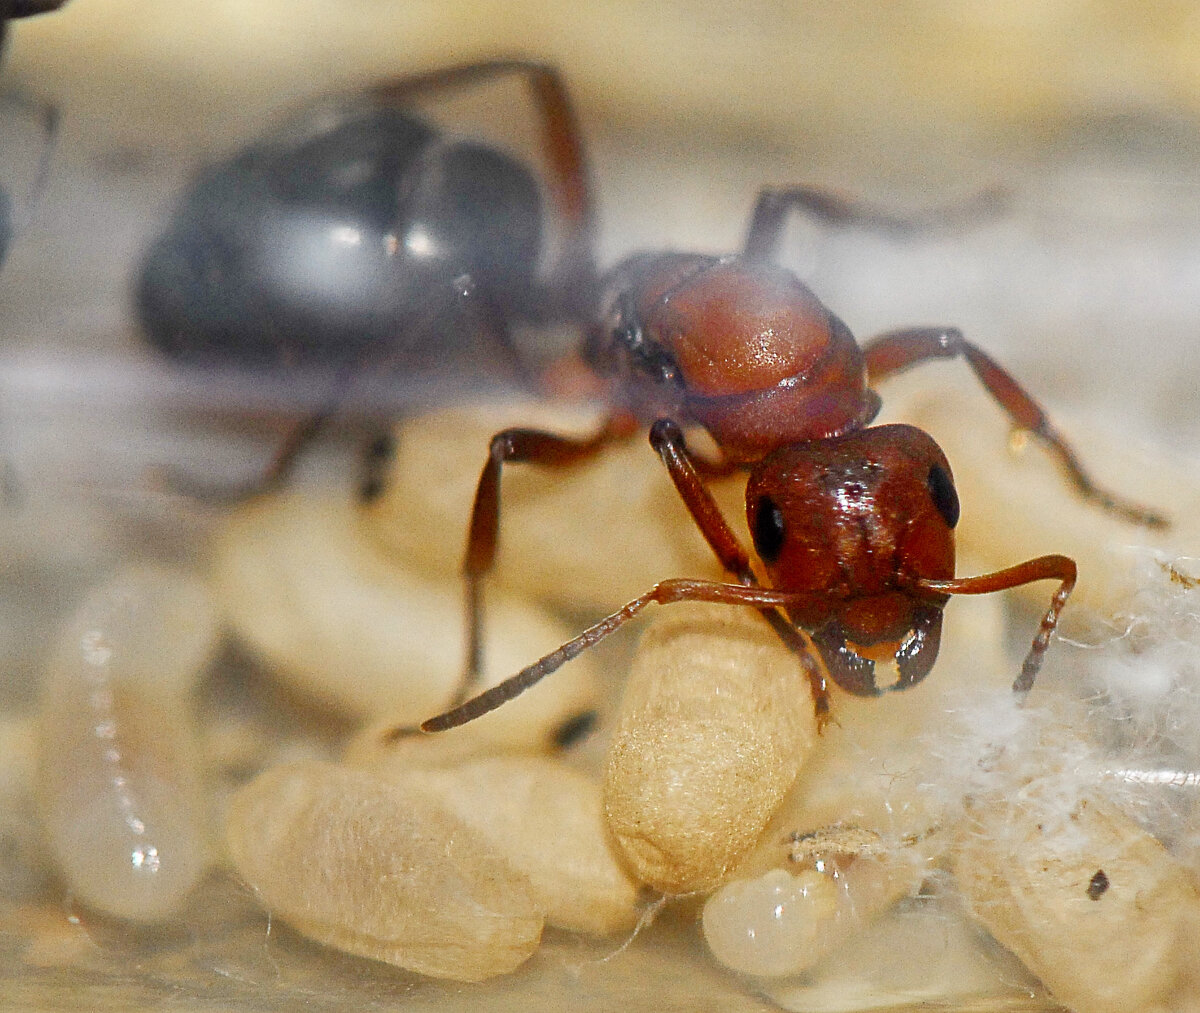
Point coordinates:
[[360, 238], [9, 10]]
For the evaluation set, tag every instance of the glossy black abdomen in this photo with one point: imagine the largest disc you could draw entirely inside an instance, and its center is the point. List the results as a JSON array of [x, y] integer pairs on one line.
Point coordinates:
[[357, 233]]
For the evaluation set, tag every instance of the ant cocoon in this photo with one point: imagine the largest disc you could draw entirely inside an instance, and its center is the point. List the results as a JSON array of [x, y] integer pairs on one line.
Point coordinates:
[[382, 870], [552, 550], [547, 821], [1091, 903], [714, 726], [346, 622]]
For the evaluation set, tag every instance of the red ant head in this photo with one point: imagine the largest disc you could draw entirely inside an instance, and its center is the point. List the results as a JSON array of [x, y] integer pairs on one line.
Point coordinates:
[[744, 349], [849, 524]]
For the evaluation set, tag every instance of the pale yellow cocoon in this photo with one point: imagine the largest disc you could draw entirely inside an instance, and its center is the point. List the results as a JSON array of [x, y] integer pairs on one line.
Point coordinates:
[[593, 534], [545, 819], [381, 870], [1092, 904], [716, 722], [351, 624]]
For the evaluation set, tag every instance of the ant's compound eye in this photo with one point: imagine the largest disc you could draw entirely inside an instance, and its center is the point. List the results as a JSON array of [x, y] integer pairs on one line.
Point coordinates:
[[941, 489], [768, 529]]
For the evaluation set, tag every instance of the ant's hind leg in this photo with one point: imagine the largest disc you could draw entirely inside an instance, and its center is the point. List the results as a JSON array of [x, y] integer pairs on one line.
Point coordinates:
[[896, 351], [775, 206]]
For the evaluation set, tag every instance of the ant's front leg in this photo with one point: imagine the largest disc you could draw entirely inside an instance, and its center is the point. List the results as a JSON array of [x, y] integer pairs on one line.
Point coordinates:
[[667, 439], [898, 350], [774, 206]]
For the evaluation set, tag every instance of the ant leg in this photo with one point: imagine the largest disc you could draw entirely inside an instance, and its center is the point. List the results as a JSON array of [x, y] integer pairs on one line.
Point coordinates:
[[898, 350], [667, 439], [667, 592], [1060, 568], [773, 206], [374, 457], [16, 211], [562, 147], [527, 446], [297, 439], [273, 477]]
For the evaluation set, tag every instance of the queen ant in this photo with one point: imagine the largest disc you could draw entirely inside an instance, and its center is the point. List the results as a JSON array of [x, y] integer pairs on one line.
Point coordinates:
[[853, 523]]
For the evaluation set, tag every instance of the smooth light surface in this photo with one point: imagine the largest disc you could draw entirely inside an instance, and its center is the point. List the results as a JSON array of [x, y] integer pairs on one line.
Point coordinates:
[[119, 781], [382, 871]]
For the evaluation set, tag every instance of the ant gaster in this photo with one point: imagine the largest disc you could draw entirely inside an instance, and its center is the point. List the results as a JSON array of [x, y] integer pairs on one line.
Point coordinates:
[[360, 238], [10, 10], [853, 523]]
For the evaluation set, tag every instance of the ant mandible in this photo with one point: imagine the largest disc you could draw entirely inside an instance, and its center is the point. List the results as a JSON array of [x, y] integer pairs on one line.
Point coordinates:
[[853, 523]]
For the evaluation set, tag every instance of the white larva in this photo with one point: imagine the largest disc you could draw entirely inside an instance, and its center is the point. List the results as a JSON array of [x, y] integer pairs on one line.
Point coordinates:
[[118, 783]]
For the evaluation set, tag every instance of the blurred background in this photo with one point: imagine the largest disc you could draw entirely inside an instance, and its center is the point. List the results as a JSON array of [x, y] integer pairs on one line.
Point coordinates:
[[1087, 113]]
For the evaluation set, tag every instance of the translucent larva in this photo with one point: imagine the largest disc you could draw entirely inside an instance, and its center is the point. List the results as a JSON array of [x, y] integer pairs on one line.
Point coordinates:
[[118, 784]]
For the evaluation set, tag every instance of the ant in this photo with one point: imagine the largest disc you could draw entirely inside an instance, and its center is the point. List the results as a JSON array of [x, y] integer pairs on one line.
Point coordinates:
[[360, 237], [10, 10], [853, 523]]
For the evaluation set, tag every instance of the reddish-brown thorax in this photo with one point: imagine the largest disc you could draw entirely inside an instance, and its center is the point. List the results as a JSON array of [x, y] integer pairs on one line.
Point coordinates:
[[744, 350]]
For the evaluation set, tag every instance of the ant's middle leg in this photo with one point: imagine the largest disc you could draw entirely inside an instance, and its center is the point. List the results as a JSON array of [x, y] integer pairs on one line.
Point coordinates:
[[898, 350], [667, 439], [511, 446], [299, 437], [773, 207]]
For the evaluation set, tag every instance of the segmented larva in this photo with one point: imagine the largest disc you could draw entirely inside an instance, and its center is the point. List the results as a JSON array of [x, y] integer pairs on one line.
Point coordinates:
[[118, 782]]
